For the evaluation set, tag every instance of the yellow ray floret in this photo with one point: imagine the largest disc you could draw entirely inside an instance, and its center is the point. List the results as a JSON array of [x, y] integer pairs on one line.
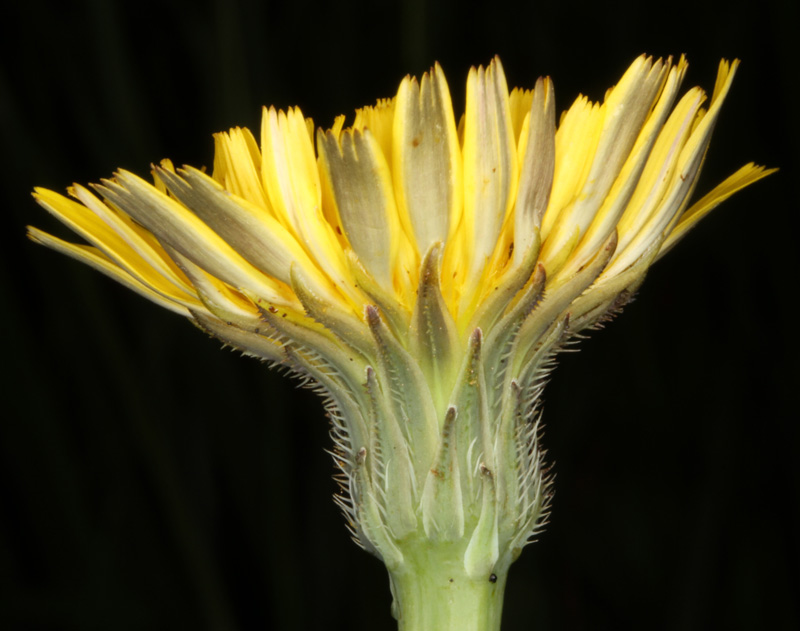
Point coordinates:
[[349, 222]]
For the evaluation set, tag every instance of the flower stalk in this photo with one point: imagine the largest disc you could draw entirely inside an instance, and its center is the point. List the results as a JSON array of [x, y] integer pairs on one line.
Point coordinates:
[[432, 591], [421, 275]]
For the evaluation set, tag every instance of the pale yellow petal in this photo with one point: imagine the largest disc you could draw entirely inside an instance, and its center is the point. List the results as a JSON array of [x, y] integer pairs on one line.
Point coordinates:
[[683, 179], [659, 171], [490, 165], [237, 166], [338, 125], [140, 262], [360, 179], [139, 240], [182, 230], [291, 179], [222, 300], [426, 159], [537, 160], [379, 119], [249, 230], [623, 114], [289, 168], [745, 176], [620, 194], [99, 261], [519, 106], [576, 141], [624, 110]]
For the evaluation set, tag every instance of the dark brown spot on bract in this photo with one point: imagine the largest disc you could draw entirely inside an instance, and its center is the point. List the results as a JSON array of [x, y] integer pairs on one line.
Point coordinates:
[[415, 142]]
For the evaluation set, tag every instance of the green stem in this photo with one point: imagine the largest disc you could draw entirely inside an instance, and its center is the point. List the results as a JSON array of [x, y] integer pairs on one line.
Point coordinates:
[[432, 592]]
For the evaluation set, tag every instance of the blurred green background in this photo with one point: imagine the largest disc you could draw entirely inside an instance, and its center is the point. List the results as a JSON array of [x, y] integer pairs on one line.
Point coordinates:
[[150, 480]]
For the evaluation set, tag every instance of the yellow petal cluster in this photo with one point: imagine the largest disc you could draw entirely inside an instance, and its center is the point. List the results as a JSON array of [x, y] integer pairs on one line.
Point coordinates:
[[376, 196]]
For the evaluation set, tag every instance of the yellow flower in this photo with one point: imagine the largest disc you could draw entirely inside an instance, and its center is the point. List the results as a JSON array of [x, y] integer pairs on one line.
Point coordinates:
[[421, 271]]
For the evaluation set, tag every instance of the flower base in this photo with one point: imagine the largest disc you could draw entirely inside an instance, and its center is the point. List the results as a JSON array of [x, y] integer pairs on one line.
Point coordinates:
[[432, 591]]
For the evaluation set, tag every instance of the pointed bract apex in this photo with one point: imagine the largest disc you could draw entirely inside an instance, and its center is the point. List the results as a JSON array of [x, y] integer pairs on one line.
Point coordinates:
[[433, 339], [475, 339], [341, 322], [483, 550], [401, 374], [397, 317], [392, 470], [442, 502]]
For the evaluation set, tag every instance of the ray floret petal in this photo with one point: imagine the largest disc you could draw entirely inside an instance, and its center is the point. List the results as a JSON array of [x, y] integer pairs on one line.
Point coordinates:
[[421, 274]]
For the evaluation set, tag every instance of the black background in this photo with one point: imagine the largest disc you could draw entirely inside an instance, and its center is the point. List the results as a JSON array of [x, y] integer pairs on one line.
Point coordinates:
[[149, 480]]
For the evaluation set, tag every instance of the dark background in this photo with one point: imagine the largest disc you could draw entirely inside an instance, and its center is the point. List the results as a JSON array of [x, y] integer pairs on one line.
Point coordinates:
[[149, 480]]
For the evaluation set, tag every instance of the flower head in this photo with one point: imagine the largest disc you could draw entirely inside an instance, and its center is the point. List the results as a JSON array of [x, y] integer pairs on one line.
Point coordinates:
[[421, 272]]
